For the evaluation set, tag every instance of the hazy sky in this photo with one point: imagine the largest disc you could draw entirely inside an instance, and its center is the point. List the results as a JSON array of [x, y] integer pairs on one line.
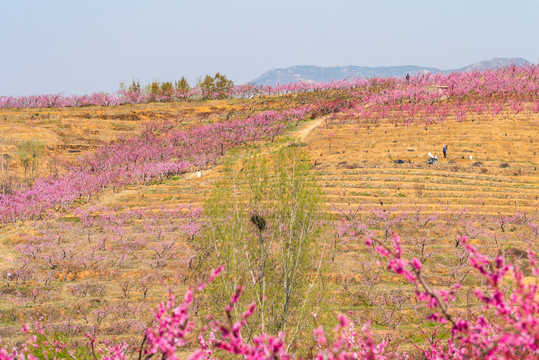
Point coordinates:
[[81, 46]]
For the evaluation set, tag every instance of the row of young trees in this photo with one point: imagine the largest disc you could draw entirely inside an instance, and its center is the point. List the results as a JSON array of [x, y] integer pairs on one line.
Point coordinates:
[[427, 113], [209, 87], [156, 88], [158, 153]]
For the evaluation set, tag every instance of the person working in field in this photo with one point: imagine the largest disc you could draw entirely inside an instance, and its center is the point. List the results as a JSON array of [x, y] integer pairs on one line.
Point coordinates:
[[445, 151], [432, 159]]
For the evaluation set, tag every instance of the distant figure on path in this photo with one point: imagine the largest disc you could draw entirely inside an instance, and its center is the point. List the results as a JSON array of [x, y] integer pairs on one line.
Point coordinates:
[[445, 151], [407, 77]]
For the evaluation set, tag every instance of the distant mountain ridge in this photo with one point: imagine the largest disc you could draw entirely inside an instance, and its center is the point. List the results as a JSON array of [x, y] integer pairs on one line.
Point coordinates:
[[309, 73]]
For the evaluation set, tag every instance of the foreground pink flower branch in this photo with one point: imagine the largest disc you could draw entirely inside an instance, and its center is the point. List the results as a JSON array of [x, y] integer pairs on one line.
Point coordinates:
[[507, 326]]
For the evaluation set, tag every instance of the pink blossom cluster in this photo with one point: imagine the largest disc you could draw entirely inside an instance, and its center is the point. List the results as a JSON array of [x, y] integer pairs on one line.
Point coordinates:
[[225, 337], [507, 326], [95, 99]]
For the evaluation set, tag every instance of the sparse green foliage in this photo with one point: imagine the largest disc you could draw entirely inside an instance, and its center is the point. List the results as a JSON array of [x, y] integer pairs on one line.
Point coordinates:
[[29, 153], [155, 88], [182, 85], [135, 86], [207, 86], [49, 347], [264, 227], [222, 85], [5, 161], [166, 88]]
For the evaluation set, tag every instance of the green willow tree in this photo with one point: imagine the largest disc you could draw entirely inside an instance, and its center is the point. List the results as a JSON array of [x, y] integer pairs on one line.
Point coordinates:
[[264, 226]]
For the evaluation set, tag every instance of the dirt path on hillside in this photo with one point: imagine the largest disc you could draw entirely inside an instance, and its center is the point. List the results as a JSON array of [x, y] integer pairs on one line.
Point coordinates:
[[302, 134], [307, 130]]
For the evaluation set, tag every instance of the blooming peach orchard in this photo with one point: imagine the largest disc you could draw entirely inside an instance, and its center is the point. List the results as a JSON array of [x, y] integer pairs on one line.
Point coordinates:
[[512, 333], [69, 233]]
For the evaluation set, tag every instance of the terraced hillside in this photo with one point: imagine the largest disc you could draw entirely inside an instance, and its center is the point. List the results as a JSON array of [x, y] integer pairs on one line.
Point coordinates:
[[96, 261], [361, 180], [491, 162], [366, 187], [66, 133], [376, 180], [88, 266]]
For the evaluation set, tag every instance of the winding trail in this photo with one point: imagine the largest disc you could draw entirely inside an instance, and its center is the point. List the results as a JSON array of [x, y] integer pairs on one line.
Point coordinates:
[[301, 134]]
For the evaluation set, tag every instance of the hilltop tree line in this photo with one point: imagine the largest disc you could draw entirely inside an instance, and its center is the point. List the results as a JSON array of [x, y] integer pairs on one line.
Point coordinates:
[[424, 92], [217, 86]]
